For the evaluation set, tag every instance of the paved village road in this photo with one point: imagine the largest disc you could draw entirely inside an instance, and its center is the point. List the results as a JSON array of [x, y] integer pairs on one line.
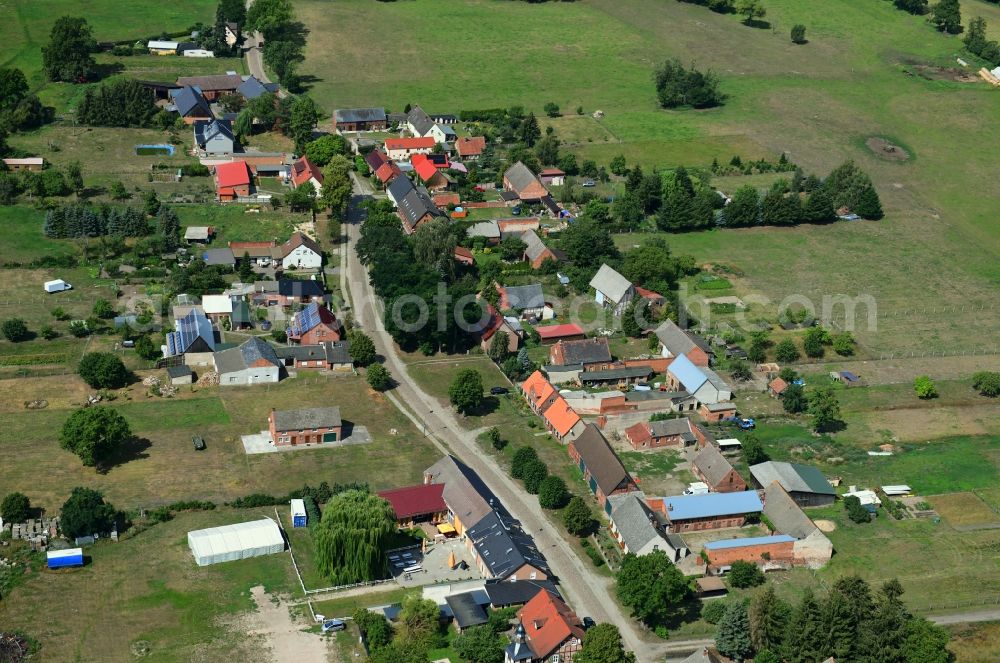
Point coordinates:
[[587, 591], [252, 45]]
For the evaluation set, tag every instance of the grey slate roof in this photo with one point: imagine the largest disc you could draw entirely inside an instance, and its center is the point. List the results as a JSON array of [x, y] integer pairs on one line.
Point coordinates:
[[217, 83], [520, 177], [179, 371], [464, 492], [399, 188], [634, 521], [416, 205], [503, 546], [624, 373], [337, 352], [586, 350], [676, 340], [466, 610], [241, 357], [667, 427], [317, 417], [535, 246], [503, 593], [420, 120], [712, 465], [206, 130], [604, 465], [793, 477], [786, 516], [488, 229], [611, 283], [219, 257], [359, 115], [251, 88], [190, 102], [523, 297]]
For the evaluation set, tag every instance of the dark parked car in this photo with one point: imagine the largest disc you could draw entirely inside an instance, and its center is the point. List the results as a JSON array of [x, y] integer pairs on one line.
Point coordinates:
[[499, 391], [588, 623], [199, 443]]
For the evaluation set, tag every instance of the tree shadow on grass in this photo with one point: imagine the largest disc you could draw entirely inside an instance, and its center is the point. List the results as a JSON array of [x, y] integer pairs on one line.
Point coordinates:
[[106, 69], [687, 612], [489, 405], [133, 449], [758, 23]]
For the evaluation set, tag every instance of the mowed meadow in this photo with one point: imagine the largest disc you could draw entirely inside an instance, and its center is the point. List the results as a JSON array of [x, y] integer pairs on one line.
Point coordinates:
[[868, 70]]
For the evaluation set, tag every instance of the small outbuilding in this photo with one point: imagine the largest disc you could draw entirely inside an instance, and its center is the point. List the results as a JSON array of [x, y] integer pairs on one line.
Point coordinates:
[[58, 559], [180, 375], [238, 541], [299, 518]]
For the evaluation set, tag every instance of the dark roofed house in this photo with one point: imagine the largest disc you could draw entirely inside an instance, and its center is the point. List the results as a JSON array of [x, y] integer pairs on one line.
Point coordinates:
[[504, 550], [536, 252], [300, 290], [413, 205], [251, 88], [360, 119], [330, 356], [214, 137], [466, 610], [252, 362], [307, 426], [593, 353], [213, 87], [191, 104], [418, 122], [520, 180], [675, 341], [222, 257], [711, 466], [602, 469], [806, 484], [527, 300], [505, 593], [192, 333], [681, 432], [617, 375], [313, 325], [180, 374]]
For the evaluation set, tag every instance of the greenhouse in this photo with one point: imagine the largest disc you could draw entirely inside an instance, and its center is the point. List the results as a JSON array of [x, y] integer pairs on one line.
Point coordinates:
[[238, 541]]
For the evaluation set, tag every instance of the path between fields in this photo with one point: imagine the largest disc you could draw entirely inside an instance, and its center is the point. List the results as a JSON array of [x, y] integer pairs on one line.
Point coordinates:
[[285, 639], [586, 590]]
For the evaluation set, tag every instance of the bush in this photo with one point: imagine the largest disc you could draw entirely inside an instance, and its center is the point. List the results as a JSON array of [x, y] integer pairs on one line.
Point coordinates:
[[522, 457], [786, 352], [378, 377], [534, 473], [102, 370], [15, 330], [798, 34], [15, 508], [713, 611], [745, 574], [987, 383], [677, 86], [552, 493], [855, 511], [924, 387], [578, 518]]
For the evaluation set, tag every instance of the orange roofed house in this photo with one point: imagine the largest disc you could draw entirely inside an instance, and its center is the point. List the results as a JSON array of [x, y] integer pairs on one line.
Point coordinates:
[[561, 420], [233, 180], [470, 147], [304, 170], [538, 392], [548, 630]]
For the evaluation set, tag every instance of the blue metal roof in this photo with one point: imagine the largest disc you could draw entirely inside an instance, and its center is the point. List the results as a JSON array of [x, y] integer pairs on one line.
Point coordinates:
[[751, 541], [689, 375], [685, 507]]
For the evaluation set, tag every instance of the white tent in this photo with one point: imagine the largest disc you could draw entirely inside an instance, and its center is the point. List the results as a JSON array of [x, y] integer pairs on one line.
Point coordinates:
[[238, 541]]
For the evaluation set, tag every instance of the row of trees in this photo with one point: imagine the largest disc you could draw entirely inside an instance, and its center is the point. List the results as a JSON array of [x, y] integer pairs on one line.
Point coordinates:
[[50, 182], [80, 220], [119, 102], [84, 512], [945, 15], [851, 623], [284, 38]]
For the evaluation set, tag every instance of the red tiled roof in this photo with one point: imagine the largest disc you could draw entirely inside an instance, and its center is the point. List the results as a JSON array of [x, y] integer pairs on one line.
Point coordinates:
[[445, 199], [537, 389], [387, 171], [416, 500], [234, 173], [408, 143], [548, 623], [424, 167], [471, 146], [303, 170], [464, 254], [648, 294], [561, 416], [557, 331], [778, 385], [638, 433], [551, 172]]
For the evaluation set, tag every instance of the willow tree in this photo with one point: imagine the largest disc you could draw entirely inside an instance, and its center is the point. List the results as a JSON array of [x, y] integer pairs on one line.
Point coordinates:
[[352, 537]]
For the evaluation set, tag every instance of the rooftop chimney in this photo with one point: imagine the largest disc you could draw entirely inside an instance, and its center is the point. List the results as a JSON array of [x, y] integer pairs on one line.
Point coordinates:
[[428, 478]]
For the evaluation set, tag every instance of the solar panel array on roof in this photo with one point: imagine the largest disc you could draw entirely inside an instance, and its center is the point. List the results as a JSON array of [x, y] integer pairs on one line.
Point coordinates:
[[305, 320], [188, 330]]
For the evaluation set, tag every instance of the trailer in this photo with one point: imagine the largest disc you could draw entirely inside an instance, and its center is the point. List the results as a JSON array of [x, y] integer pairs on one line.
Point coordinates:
[[299, 517], [58, 559], [57, 285]]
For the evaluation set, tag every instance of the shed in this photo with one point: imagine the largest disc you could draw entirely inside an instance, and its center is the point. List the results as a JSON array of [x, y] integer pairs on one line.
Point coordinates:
[[298, 513], [711, 586], [180, 374], [238, 541], [57, 559], [466, 610], [729, 444]]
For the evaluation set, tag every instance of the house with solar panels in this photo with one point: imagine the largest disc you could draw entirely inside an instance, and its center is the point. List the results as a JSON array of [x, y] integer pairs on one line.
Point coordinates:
[[193, 337], [313, 325]]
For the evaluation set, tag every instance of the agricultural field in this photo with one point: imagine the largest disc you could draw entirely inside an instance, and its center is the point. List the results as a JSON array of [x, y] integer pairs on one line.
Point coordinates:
[[868, 70]]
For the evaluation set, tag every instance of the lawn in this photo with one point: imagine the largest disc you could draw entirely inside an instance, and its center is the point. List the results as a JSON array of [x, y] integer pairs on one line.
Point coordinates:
[[235, 224], [150, 589], [965, 511], [163, 467]]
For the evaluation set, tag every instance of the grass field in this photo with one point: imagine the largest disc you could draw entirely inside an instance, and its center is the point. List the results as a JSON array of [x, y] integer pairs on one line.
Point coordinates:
[[965, 511], [149, 589], [162, 467], [817, 102]]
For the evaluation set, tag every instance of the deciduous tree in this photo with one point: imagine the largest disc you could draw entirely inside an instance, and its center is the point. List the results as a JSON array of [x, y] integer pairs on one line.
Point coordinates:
[[94, 434], [552, 493], [466, 391], [85, 512], [352, 537], [603, 644], [102, 370], [578, 518], [67, 57], [15, 508], [651, 586]]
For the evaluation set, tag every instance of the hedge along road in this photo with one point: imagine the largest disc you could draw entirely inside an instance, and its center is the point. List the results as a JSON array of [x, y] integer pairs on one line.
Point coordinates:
[[588, 592]]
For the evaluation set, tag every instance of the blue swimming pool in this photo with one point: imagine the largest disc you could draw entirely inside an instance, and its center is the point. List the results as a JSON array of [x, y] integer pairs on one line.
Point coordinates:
[[154, 150]]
